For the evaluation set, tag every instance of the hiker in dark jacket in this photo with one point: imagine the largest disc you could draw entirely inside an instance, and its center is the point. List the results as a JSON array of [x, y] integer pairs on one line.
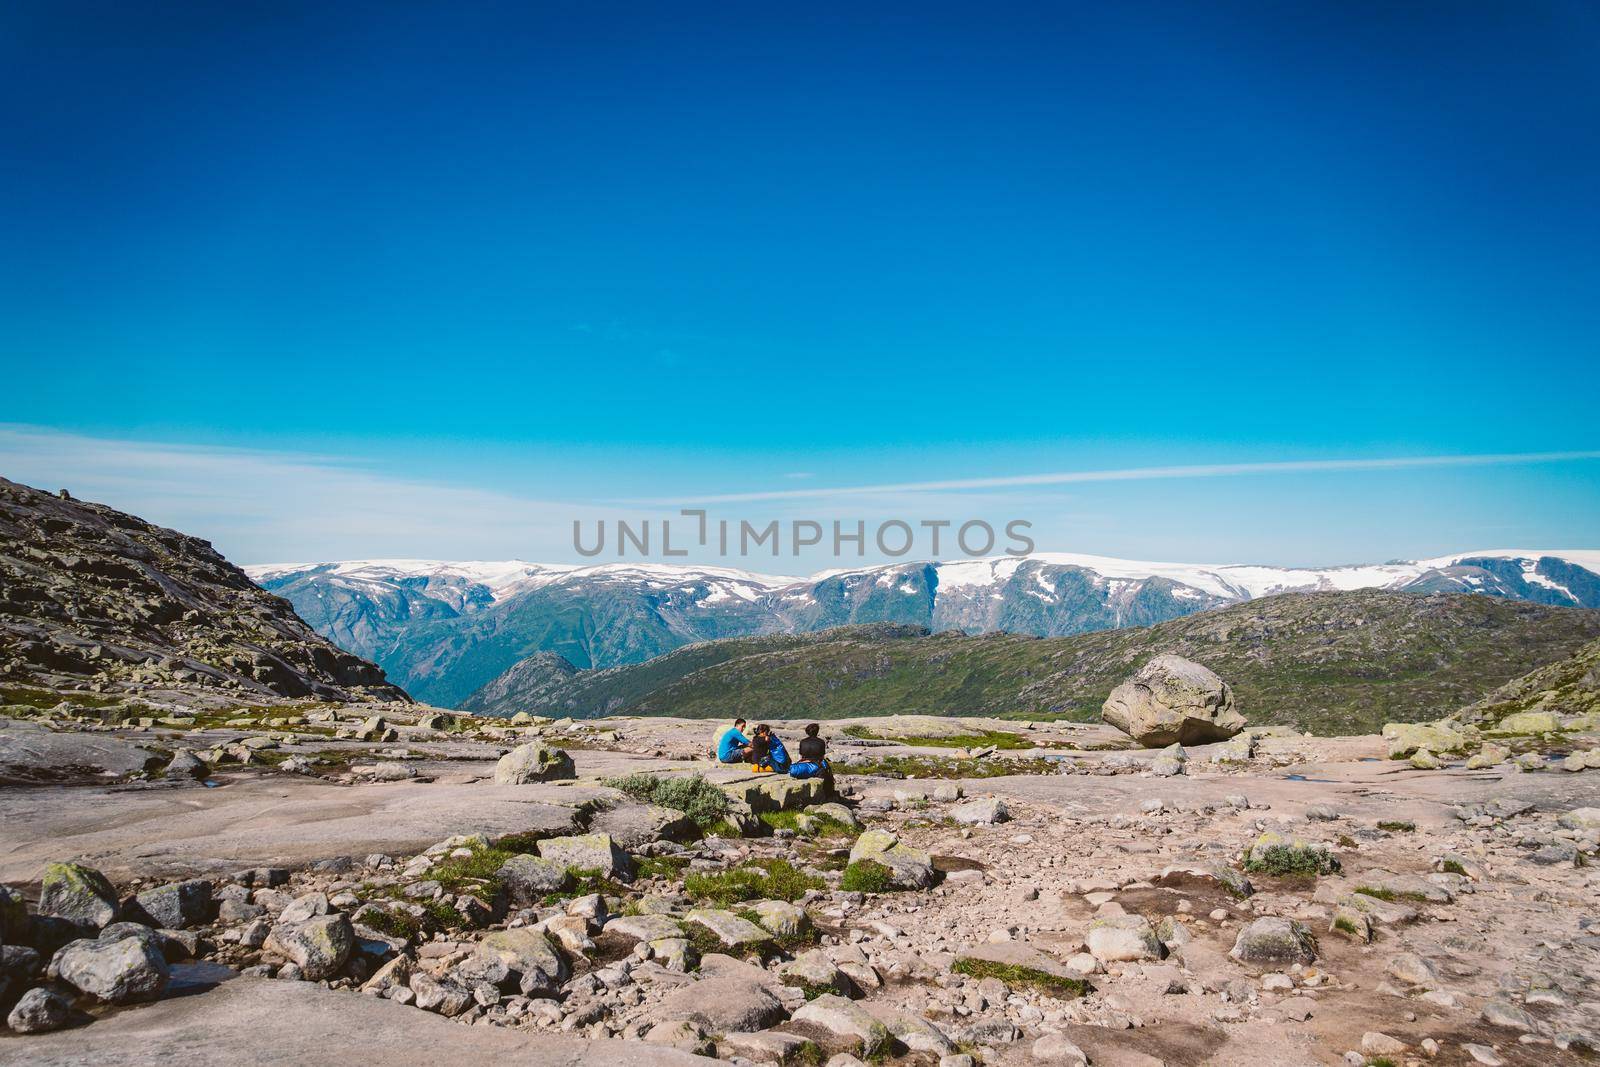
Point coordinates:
[[813, 755]]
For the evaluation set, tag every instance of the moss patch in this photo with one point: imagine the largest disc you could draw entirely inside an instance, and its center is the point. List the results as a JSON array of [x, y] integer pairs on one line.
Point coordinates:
[[943, 767], [824, 825], [997, 738], [774, 879], [1015, 975], [866, 876]]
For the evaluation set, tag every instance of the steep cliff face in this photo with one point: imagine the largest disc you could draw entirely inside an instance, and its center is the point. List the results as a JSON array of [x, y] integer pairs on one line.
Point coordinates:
[[93, 598]]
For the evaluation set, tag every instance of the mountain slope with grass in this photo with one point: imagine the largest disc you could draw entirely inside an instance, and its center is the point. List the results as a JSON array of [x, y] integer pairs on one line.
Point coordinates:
[[1334, 662], [1568, 689], [446, 629]]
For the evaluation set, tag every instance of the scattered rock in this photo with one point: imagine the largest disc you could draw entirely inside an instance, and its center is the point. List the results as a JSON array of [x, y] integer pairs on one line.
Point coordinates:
[[846, 1019], [1274, 940], [38, 1012], [980, 812], [318, 946]]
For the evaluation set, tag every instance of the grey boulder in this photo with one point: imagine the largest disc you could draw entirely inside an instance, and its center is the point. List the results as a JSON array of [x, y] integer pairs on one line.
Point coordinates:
[[1274, 940], [318, 946], [175, 906], [117, 972], [534, 762], [79, 894], [38, 1012], [1173, 700]]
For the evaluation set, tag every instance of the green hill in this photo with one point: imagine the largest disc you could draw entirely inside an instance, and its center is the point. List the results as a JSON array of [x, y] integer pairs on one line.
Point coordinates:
[[1337, 662]]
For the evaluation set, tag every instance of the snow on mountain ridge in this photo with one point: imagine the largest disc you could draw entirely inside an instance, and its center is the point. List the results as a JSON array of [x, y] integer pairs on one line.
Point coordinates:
[[1227, 580]]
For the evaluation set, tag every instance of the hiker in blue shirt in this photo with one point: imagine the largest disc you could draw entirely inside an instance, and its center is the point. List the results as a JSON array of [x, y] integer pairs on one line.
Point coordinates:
[[732, 745]]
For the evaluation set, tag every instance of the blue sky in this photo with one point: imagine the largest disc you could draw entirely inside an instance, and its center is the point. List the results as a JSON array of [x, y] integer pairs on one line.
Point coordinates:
[[483, 268]]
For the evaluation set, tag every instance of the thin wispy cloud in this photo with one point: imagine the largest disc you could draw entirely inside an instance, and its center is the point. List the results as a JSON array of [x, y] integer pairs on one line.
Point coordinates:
[[262, 506], [1130, 474]]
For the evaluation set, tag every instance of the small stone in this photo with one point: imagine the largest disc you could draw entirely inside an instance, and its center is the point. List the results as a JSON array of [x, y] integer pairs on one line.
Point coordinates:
[[1374, 1043], [38, 1012], [1055, 1048]]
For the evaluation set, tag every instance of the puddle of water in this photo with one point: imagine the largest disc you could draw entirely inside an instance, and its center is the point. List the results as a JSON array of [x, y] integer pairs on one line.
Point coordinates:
[[209, 784], [1303, 778], [197, 977]]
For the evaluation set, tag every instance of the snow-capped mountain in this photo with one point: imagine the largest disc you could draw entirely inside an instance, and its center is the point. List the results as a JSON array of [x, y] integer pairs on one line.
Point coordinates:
[[442, 629]]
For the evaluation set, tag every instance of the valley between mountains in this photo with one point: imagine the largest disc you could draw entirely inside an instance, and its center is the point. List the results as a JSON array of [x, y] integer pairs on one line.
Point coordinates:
[[1336, 649]]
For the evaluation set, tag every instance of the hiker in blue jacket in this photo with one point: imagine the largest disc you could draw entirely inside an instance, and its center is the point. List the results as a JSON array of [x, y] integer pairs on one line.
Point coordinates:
[[773, 755], [732, 745]]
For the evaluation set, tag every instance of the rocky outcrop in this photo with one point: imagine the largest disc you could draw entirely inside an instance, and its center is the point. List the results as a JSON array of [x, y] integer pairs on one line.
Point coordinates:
[[1172, 700], [94, 598]]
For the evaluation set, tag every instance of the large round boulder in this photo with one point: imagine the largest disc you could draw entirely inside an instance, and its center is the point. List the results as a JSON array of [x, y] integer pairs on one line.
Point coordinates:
[[534, 762], [1173, 700]]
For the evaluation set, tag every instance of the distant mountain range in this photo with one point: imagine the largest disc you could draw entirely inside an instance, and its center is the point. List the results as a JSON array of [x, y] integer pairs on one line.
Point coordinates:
[[444, 630], [1331, 662]]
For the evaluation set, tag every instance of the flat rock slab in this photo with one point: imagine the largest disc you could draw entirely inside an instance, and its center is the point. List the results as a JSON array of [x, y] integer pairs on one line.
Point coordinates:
[[172, 830], [251, 1022], [30, 752], [645, 927], [729, 928]]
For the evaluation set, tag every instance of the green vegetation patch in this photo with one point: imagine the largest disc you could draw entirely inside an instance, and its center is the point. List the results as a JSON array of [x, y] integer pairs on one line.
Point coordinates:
[[1379, 893], [477, 873], [1016, 975], [691, 794], [942, 767], [997, 738], [1282, 860], [668, 867], [1346, 926], [1398, 826], [585, 882], [767, 879], [1453, 867], [867, 876], [824, 825]]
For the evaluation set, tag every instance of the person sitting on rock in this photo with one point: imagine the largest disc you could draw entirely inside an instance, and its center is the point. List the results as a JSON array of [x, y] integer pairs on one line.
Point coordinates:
[[767, 752], [732, 745], [777, 756], [813, 754]]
